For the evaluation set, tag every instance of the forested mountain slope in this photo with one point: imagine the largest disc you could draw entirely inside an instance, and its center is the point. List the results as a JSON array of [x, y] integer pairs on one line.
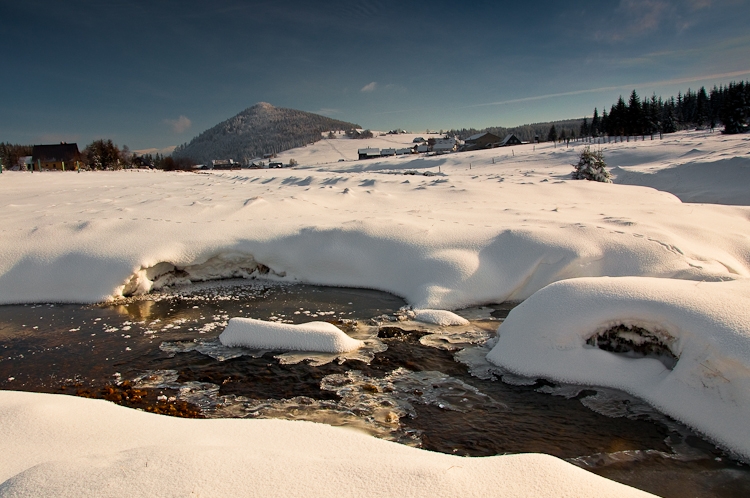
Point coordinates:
[[260, 129]]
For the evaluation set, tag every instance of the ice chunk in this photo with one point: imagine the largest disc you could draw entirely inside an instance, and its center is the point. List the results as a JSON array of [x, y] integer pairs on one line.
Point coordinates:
[[323, 337]]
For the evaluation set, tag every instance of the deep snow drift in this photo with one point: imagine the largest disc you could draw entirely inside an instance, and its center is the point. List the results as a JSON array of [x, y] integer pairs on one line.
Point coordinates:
[[443, 232], [321, 337], [488, 227], [73, 447], [706, 326]]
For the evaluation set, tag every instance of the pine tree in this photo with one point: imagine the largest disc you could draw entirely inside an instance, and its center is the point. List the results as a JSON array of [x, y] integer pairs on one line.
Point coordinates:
[[701, 110], [591, 166], [736, 109], [596, 124], [634, 121], [552, 135]]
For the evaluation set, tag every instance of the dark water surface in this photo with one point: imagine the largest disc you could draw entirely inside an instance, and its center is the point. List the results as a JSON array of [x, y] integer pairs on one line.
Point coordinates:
[[414, 383]]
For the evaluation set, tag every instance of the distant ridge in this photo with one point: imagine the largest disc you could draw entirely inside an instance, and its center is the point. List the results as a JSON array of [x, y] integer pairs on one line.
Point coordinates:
[[260, 129]]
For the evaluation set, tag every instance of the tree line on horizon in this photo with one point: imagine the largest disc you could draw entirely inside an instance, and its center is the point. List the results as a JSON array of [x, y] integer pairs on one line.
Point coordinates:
[[100, 154], [726, 105]]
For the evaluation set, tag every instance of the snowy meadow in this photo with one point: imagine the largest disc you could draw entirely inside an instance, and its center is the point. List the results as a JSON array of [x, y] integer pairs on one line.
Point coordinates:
[[641, 285]]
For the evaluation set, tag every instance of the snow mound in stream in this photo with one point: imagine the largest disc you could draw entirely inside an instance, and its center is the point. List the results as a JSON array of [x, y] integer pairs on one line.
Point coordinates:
[[321, 337], [611, 332], [443, 318]]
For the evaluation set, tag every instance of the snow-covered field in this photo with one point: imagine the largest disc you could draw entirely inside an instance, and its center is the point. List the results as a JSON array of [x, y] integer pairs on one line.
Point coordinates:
[[443, 232]]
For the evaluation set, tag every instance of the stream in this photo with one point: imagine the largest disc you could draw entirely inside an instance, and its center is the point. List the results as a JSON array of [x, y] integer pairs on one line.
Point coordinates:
[[413, 383]]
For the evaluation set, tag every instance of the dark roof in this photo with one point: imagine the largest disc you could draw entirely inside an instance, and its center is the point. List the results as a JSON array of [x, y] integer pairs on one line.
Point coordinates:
[[55, 153], [508, 138], [489, 136]]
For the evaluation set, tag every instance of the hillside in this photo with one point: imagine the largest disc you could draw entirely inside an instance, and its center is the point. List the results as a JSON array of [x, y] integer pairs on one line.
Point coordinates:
[[258, 130], [527, 132]]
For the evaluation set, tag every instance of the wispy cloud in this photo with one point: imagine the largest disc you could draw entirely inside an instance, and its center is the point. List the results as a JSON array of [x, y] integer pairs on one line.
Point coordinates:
[[676, 81], [634, 18], [180, 124], [699, 4], [370, 87], [630, 86], [325, 111]]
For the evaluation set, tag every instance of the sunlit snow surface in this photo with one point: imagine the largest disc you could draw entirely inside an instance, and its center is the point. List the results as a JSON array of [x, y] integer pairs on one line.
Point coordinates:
[[707, 325], [443, 232], [322, 337]]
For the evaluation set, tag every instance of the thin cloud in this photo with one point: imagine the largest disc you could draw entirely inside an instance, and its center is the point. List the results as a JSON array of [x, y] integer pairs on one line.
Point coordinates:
[[635, 18], [180, 124], [676, 81], [370, 87], [699, 4], [325, 111]]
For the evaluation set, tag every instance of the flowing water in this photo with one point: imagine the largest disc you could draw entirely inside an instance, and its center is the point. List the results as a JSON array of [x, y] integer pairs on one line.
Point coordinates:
[[413, 383]]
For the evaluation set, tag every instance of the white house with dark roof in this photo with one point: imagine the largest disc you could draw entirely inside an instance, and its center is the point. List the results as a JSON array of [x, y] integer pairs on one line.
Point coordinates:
[[444, 145], [510, 139], [368, 153]]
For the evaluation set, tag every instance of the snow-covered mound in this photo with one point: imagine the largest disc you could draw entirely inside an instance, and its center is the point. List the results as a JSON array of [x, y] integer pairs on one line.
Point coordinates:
[[443, 318], [488, 226], [322, 337], [721, 181], [704, 326], [53, 445]]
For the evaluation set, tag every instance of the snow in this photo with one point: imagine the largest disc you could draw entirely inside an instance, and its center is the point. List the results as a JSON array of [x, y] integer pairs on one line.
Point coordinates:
[[705, 324], [439, 317], [64, 446], [443, 232], [322, 337], [474, 232]]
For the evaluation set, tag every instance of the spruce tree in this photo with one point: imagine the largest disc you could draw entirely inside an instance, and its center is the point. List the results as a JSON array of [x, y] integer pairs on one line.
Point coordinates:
[[591, 166], [552, 135], [596, 124], [634, 115]]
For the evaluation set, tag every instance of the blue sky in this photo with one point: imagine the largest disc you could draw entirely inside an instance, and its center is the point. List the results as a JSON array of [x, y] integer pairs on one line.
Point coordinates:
[[153, 74]]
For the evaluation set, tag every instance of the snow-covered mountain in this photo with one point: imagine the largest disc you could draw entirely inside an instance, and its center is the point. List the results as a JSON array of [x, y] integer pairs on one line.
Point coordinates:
[[260, 129]]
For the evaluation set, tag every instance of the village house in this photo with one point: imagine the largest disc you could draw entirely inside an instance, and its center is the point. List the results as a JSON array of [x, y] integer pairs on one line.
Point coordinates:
[[58, 157], [481, 141], [368, 153], [224, 164], [510, 139], [445, 145]]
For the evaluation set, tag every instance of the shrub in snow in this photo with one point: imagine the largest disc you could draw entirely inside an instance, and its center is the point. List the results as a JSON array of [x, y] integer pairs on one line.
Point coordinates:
[[591, 167]]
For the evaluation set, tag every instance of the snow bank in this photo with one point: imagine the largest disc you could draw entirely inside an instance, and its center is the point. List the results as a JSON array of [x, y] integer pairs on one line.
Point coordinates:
[[322, 337], [492, 228], [439, 317], [722, 180], [53, 445], [705, 325]]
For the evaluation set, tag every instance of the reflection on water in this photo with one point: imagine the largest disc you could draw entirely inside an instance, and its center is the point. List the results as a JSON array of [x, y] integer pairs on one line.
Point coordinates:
[[414, 383]]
